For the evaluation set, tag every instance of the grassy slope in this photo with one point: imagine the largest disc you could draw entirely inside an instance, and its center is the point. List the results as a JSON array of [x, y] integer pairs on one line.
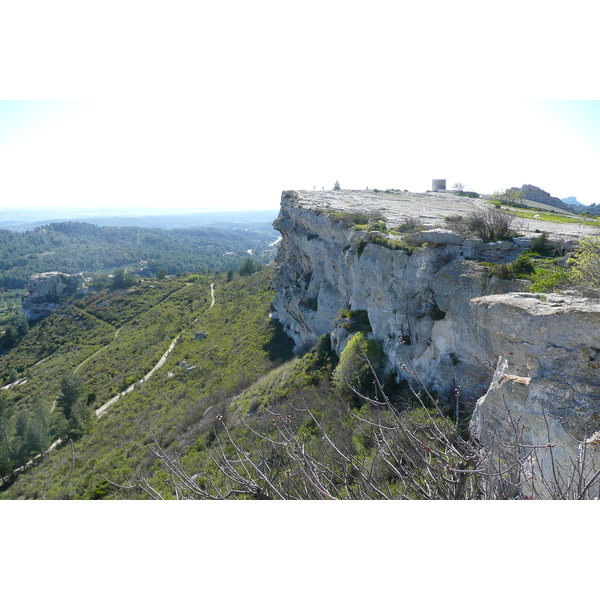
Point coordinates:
[[236, 393], [232, 356]]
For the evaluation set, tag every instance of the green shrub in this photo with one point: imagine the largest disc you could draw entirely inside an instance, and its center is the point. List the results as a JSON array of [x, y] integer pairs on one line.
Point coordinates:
[[354, 371], [549, 281], [350, 220], [324, 355], [377, 226], [488, 224], [410, 225], [358, 320], [521, 266], [541, 246], [122, 279], [249, 267], [585, 265], [500, 271], [128, 381], [387, 242]]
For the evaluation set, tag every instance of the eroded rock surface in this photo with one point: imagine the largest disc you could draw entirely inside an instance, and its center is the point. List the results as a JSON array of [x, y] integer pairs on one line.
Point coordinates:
[[415, 293], [45, 290], [547, 377], [530, 359]]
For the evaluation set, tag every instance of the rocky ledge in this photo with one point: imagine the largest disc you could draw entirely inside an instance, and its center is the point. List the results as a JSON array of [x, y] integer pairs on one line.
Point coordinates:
[[546, 386], [439, 313]]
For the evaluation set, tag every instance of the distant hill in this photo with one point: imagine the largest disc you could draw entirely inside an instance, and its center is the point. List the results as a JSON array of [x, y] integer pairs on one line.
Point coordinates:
[[579, 208], [572, 200], [73, 247], [536, 194], [255, 220], [593, 209]]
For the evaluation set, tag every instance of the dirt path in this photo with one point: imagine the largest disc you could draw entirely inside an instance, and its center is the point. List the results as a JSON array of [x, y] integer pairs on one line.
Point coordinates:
[[98, 351], [159, 364], [100, 411]]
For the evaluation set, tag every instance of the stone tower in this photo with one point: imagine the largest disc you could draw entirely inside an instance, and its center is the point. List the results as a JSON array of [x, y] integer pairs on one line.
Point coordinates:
[[437, 185], [337, 185]]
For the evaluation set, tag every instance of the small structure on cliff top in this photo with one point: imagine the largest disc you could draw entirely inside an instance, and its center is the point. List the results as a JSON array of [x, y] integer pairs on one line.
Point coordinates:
[[438, 185], [337, 185]]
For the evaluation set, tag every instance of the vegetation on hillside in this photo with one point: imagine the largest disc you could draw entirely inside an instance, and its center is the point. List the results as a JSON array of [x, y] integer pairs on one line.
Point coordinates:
[[110, 341], [82, 247], [306, 440], [231, 413]]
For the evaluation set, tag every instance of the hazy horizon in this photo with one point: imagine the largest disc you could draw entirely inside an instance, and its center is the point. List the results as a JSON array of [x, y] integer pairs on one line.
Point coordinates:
[[141, 157], [137, 212]]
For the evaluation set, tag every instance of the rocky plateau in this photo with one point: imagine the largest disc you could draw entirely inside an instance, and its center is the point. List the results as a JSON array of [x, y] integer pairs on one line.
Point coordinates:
[[521, 360]]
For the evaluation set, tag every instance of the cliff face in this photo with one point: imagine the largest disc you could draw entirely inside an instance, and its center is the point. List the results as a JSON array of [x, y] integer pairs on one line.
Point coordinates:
[[546, 385], [443, 316], [417, 298], [45, 290]]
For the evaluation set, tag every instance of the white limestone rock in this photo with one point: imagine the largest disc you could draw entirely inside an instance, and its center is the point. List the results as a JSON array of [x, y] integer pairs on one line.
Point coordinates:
[[548, 375], [442, 315], [417, 299], [45, 290], [437, 236]]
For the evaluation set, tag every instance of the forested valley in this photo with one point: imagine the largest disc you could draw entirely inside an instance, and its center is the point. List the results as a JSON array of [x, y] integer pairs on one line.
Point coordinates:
[[73, 247], [147, 288]]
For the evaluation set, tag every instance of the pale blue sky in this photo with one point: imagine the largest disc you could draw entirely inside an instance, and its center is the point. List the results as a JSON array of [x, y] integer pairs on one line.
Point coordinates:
[[224, 105], [174, 155]]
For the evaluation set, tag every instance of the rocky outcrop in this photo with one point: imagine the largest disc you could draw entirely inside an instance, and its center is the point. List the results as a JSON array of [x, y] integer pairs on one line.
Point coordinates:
[[528, 361], [414, 291], [536, 194], [45, 291], [545, 390]]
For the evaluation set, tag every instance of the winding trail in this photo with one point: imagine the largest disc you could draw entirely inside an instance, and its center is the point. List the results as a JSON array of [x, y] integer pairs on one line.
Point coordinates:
[[98, 351], [100, 411], [158, 365]]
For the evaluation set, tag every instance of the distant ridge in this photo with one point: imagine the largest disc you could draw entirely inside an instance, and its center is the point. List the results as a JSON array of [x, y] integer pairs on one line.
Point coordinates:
[[536, 194], [572, 200], [260, 219]]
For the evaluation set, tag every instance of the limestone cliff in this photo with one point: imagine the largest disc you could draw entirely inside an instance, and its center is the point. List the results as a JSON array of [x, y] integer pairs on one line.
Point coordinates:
[[546, 385], [438, 312], [415, 291], [45, 290]]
